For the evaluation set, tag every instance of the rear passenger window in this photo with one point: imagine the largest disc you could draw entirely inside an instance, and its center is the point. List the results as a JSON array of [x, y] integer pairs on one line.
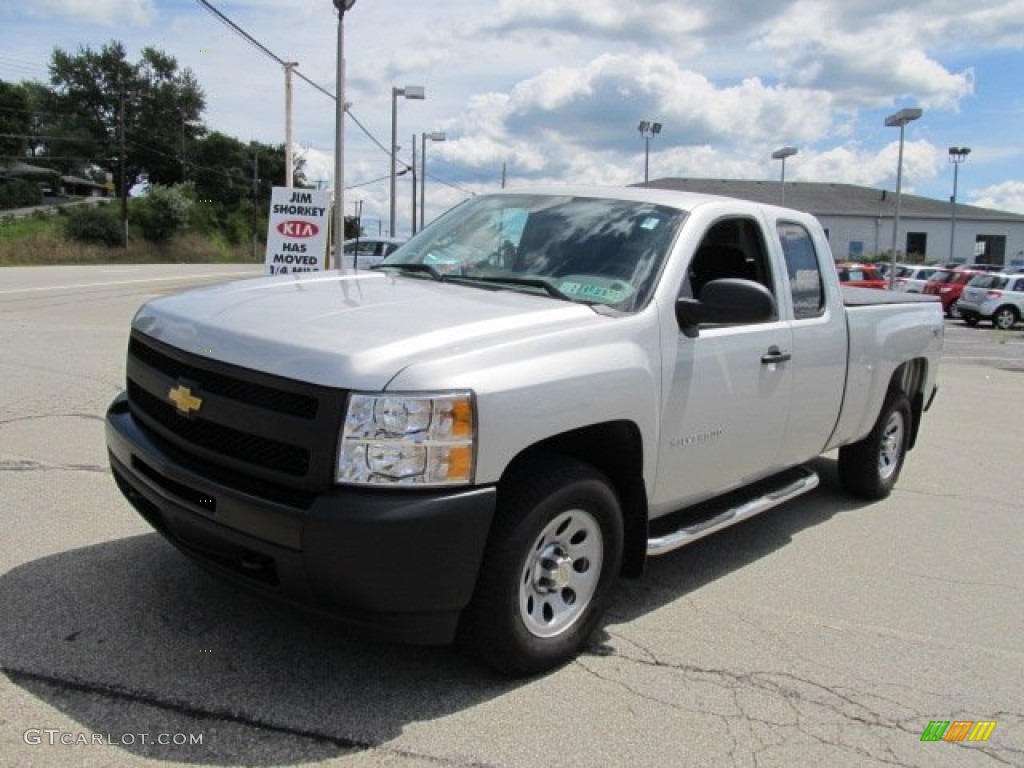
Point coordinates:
[[802, 268]]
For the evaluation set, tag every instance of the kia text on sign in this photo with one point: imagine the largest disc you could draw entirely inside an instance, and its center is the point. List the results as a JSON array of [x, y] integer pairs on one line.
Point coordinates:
[[297, 234]]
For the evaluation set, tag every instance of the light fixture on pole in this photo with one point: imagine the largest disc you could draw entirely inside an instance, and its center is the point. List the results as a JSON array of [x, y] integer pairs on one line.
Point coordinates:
[[956, 156], [648, 130], [781, 154], [339, 134], [433, 136], [409, 92], [900, 119]]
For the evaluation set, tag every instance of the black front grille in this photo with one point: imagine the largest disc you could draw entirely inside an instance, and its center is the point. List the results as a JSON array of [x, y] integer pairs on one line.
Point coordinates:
[[270, 454], [250, 424], [270, 398]]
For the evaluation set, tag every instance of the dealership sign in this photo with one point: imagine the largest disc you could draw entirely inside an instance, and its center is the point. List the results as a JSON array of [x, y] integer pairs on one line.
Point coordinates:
[[297, 233]]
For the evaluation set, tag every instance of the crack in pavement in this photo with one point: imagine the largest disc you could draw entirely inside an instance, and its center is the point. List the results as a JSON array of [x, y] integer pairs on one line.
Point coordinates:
[[74, 415], [28, 465], [965, 582], [801, 697], [225, 716]]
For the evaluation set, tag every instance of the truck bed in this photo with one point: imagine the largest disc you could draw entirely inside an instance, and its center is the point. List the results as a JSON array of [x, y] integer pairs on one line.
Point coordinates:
[[866, 297]]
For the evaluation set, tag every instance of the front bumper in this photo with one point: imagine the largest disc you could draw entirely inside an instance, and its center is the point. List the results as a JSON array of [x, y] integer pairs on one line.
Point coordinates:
[[396, 564]]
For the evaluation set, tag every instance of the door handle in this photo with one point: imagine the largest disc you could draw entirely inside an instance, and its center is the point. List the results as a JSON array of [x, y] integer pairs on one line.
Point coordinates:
[[775, 355]]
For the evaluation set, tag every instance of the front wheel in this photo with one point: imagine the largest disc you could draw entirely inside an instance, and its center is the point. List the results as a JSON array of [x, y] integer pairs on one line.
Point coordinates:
[[953, 311], [971, 320], [870, 467], [551, 563], [1004, 318]]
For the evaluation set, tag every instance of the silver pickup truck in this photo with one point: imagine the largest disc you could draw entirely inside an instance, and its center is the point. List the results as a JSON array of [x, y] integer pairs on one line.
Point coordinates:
[[476, 439]]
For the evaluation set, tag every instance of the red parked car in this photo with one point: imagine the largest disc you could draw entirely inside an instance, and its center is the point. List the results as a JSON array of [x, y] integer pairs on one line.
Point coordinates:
[[948, 284], [861, 275]]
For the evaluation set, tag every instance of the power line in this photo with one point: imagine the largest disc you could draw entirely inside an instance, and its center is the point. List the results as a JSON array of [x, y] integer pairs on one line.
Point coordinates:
[[262, 48]]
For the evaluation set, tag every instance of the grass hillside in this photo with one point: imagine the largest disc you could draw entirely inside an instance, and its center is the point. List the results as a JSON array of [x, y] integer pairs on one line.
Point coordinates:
[[41, 239]]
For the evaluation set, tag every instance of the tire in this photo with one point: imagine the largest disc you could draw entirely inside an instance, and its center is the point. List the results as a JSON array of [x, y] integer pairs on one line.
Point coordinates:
[[1004, 318], [870, 467], [550, 566], [971, 320], [953, 310]]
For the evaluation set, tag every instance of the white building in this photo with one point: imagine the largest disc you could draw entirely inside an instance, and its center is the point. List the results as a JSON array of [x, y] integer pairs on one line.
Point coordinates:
[[859, 220]]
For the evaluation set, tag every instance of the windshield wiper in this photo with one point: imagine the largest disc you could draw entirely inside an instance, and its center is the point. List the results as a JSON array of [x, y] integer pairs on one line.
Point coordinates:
[[529, 282], [411, 267]]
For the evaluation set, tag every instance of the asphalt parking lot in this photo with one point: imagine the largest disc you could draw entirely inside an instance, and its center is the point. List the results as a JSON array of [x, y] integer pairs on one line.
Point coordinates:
[[824, 633]]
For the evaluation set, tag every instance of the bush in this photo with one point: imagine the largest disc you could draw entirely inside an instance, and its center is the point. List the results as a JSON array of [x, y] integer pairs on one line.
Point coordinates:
[[93, 224], [16, 193], [163, 211]]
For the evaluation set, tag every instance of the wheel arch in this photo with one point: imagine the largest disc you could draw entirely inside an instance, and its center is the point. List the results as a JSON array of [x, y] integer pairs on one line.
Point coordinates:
[[909, 378], [615, 448], [1012, 308]]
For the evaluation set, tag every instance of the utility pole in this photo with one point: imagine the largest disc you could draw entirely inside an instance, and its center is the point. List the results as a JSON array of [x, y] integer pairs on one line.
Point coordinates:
[[124, 175], [184, 165], [288, 160], [255, 197]]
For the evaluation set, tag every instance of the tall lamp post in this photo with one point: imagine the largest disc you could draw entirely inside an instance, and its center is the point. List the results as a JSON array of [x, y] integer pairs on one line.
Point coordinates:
[[433, 136], [409, 92], [956, 156], [900, 119], [339, 134], [648, 130], [781, 154]]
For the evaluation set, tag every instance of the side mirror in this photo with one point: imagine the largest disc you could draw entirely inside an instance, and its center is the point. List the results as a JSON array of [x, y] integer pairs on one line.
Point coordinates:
[[729, 300]]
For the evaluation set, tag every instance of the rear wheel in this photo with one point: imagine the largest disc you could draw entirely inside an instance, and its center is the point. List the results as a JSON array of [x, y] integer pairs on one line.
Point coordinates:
[[550, 565], [870, 467], [1004, 318]]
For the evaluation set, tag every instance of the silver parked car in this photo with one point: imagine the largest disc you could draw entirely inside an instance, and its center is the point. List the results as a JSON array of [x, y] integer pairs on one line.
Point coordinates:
[[995, 297], [912, 278], [365, 252]]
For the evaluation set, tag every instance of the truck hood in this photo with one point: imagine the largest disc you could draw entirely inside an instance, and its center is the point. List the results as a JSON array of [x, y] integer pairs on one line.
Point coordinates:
[[350, 330]]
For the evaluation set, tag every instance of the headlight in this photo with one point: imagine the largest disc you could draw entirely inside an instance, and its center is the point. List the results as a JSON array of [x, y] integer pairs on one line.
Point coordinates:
[[423, 438]]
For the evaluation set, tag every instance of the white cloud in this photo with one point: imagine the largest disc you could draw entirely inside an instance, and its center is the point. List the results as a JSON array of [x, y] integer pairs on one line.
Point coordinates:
[[1006, 196], [611, 19], [108, 12]]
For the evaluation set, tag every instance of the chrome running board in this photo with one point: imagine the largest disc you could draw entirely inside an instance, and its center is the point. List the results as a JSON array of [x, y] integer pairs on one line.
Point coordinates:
[[807, 480]]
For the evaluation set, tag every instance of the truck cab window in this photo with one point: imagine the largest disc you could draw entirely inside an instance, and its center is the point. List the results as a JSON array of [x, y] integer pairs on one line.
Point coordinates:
[[731, 248], [804, 272]]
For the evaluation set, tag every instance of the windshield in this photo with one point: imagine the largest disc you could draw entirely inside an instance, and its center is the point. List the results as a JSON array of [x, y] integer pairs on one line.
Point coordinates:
[[987, 281], [588, 250]]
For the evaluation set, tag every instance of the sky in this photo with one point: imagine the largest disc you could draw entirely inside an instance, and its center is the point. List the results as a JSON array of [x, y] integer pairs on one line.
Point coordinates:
[[552, 91]]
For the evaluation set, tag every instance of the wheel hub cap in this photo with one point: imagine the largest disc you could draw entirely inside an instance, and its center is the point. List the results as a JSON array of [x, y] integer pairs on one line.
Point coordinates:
[[560, 573], [554, 570]]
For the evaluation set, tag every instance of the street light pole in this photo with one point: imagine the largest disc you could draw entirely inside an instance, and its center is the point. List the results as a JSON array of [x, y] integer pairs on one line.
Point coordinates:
[[648, 130], [409, 92], [781, 154], [956, 156], [413, 184], [433, 136], [339, 135], [900, 119]]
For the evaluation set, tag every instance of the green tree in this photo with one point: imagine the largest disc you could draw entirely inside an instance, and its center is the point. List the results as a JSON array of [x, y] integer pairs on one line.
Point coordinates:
[[15, 122], [93, 91], [163, 211]]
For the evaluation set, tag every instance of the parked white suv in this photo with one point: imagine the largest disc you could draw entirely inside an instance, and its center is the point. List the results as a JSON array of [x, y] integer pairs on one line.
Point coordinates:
[[995, 297], [912, 278]]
